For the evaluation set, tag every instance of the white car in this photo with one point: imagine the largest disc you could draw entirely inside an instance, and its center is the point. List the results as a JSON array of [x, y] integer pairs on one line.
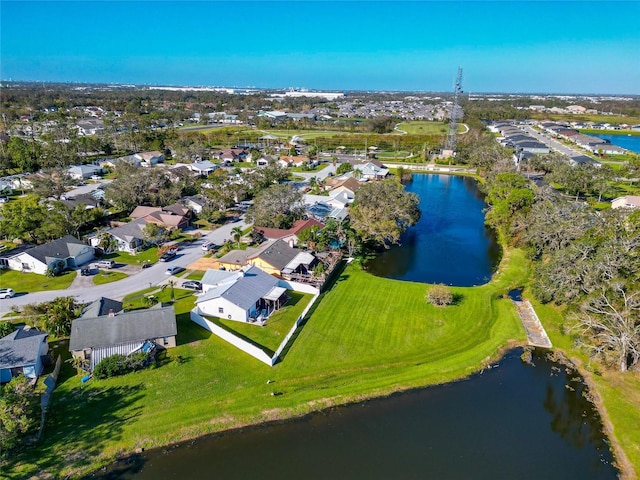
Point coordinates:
[[6, 292]]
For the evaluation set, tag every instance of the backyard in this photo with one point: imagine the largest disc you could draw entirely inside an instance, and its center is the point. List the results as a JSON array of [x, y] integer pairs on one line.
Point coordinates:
[[348, 349]]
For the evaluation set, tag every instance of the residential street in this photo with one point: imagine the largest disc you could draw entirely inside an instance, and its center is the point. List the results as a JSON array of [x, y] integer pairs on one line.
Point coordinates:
[[140, 279]]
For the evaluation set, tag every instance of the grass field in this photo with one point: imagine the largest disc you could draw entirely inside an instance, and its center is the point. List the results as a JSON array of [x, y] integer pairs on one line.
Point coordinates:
[[428, 128], [107, 276], [33, 282], [368, 336]]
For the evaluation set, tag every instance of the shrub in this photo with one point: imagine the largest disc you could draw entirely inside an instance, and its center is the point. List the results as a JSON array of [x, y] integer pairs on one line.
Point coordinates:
[[439, 295], [119, 365]]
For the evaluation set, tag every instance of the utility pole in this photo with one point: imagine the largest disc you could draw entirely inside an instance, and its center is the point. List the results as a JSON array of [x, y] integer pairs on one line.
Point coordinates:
[[450, 144]]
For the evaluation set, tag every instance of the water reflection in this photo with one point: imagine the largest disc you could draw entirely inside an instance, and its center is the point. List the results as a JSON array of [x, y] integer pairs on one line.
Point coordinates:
[[450, 243]]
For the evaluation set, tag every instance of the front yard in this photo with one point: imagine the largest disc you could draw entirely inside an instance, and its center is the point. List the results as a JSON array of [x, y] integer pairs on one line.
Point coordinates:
[[33, 282]]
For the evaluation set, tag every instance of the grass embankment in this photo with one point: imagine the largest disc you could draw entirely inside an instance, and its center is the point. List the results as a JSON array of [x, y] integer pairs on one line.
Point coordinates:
[[368, 336], [33, 282], [617, 394]]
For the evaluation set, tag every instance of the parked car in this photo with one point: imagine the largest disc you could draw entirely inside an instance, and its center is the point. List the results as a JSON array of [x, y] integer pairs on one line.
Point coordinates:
[[208, 246], [166, 256], [192, 284], [96, 177], [146, 265], [6, 292], [85, 271], [173, 270], [105, 264]]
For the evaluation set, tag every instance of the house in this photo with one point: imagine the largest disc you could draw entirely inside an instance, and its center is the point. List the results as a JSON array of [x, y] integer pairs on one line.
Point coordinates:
[[195, 203], [101, 307], [68, 250], [203, 168], [295, 161], [274, 258], [89, 126], [82, 172], [629, 201], [290, 235], [131, 159], [321, 207], [95, 338], [128, 237], [148, 159], [243, 295], [173, 217], [371, 171], [22, 352]]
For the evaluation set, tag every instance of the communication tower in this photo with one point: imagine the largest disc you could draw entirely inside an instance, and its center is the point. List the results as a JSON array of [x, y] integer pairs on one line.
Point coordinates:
[[450, 144]]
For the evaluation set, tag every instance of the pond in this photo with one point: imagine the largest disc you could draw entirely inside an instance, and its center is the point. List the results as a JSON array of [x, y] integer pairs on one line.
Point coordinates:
[[450, 244], [514, 420]]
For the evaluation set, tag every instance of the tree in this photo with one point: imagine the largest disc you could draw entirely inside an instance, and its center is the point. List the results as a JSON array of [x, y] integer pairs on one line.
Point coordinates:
[[277, 207], [508, 193], [24, 218], [310, 236], [439, 295], [344, 168], [18, 412], [55, 316], [236, 233], [6, 328], [152, 233], [382, 211], [609, 324]]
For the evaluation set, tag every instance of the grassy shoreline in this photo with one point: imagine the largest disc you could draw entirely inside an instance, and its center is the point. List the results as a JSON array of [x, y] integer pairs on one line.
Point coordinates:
[[349, 350], [368, 337]]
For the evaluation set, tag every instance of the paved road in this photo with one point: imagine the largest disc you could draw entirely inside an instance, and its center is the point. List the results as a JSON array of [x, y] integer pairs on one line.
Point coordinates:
[[138, 280], [554, 144]]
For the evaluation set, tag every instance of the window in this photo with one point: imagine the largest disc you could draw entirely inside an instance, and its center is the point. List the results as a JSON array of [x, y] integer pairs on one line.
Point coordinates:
[[165, 340], [220, 310]]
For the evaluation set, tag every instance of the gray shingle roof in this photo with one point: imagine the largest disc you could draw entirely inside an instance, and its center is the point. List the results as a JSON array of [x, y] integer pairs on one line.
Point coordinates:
[[67, 246], [129, 231], [244, 289], [101, 307], [21, 347], [138, 325], [277, 255]]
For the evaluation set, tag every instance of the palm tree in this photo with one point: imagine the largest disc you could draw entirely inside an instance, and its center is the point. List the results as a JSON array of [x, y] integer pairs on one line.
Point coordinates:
[[237, 234]]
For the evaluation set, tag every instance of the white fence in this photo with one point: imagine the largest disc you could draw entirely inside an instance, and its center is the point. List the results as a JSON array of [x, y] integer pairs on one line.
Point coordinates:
[[249, 348]]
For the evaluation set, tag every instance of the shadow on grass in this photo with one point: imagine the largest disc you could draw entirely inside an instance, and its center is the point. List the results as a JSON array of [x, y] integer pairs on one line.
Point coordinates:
[[79, 423], [457, 299], [188, 331]]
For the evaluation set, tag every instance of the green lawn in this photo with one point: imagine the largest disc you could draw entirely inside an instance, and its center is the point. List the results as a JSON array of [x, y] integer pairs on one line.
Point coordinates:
[[367, 336], [276, 328], [108, 276], [150, 255], [428, 128], [32, 282]]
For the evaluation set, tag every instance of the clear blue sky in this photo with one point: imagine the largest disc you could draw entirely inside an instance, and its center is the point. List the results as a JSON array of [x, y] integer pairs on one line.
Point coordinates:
[[503, 46]]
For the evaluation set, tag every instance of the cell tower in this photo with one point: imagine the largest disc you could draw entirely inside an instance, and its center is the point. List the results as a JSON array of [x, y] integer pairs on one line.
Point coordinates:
[[450, 144]]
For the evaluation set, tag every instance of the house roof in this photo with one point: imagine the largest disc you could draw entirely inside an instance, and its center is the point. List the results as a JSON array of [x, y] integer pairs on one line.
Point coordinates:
[[278, 255], [21, 347], [242, 287], [67, 246], [101, 307], [129, 231], [349, 183], [125, 327], [238, 257], [298, 226]]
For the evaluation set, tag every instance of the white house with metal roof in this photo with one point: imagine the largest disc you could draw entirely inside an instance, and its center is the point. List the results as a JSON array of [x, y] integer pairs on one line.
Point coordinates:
[[65, 252], [245, 295]]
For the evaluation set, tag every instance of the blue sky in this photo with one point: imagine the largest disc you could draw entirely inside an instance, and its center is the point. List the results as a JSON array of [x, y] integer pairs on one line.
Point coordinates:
[[503, 46]]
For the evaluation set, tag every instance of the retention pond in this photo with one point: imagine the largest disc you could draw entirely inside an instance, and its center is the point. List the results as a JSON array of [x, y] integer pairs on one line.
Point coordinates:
[[450, 244], [514, 420]]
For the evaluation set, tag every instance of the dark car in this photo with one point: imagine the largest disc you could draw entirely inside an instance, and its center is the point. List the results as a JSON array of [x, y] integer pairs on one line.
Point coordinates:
[[146, 265], [167, 255], [85, 272], [192, 284]]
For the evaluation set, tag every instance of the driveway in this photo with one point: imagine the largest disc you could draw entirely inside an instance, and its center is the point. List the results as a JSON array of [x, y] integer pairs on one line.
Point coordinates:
[[83, 289]]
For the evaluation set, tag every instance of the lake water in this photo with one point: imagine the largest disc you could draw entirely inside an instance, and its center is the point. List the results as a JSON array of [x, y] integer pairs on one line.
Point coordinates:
[[450, 244], [625, 141], [514, 420]]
